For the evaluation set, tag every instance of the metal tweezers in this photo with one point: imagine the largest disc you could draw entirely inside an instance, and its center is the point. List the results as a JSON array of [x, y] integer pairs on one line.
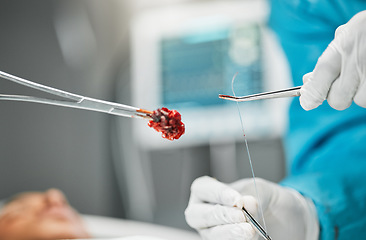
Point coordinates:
[[73, 100], [256, 225], [288, 92]]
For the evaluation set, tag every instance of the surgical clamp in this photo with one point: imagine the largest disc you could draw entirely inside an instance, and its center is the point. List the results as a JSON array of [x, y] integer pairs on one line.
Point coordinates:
[[289, 92], [73, 100], [256, 225]]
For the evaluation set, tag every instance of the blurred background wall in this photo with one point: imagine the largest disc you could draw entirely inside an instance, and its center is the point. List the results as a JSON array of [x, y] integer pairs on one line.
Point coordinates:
[[104, 168]]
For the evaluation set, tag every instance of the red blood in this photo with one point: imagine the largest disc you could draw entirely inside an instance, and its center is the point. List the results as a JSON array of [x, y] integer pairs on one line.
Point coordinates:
[[168, 122]]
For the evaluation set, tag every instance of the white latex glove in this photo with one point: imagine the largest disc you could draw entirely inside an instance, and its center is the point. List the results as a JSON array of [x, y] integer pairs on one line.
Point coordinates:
[[340, 73], [214, 210]]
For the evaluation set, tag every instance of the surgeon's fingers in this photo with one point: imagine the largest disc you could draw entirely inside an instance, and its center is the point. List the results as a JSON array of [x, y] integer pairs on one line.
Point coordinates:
[[204, 215], [360, 97], [261, 188], [339, 30], [208, 189], [317, 85], [246, 187], [341, 93], [306, 77], [344, 87], [241, 231]]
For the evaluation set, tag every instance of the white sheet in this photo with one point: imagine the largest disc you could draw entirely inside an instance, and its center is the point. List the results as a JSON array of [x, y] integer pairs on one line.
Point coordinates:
[[112, 228]]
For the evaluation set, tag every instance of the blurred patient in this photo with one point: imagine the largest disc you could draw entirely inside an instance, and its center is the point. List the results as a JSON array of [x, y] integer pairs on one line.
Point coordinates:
[[40, 215]]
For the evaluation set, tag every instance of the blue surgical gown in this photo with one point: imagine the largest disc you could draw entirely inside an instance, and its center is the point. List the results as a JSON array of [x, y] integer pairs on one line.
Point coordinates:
[[325, 148]]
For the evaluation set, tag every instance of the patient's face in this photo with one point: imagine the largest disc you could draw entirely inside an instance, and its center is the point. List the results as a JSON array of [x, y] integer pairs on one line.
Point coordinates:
[[40, 215]]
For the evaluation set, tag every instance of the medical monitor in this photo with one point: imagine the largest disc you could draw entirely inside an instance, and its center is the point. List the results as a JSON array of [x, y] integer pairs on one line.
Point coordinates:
[[184, 56]]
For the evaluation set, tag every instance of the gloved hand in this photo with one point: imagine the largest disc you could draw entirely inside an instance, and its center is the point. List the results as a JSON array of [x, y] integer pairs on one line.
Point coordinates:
[[340, 73], [214, 210]]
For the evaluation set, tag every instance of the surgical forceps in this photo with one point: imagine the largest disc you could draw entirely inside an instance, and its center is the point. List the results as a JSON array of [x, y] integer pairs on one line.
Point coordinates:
[[256, 225], [73, 100], [289, 92]]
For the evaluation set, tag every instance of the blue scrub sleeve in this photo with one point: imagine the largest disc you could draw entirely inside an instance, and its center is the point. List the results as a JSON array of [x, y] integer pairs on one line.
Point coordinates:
[[325, 148]]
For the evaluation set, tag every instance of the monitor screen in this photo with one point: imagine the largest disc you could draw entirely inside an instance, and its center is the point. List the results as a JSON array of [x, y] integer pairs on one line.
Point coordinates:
[[196, 68]]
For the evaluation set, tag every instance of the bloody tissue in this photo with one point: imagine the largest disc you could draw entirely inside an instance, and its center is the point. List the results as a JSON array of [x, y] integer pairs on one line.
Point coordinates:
[[168, 122]]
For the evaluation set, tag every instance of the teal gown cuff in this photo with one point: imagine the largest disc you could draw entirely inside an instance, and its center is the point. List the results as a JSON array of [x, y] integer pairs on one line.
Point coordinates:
[[339, 218]]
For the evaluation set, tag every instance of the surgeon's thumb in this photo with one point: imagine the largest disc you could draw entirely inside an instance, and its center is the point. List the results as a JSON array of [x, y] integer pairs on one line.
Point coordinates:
[[254, 190], [309, 98]]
